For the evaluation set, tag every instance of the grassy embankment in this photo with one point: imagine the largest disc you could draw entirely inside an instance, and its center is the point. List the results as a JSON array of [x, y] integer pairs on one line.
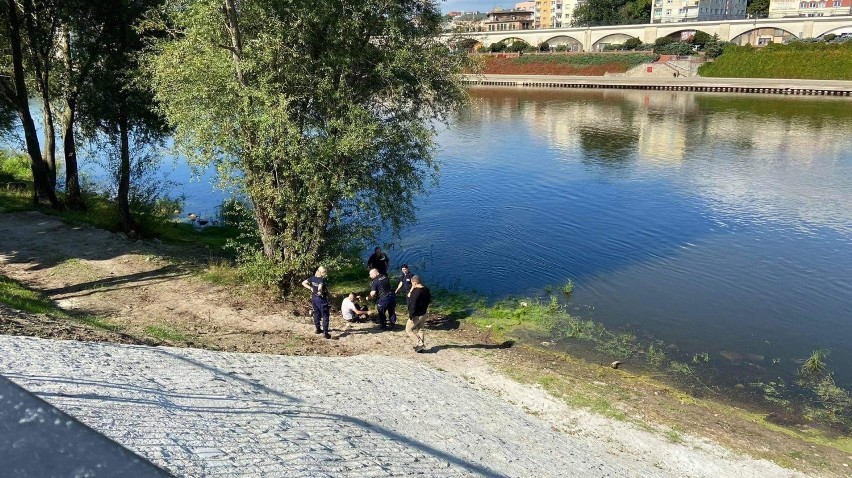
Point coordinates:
[[799, 60], [565, 64]]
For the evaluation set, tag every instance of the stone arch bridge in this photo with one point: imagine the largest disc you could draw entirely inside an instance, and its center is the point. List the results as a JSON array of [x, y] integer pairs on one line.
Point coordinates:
[[754, 31]]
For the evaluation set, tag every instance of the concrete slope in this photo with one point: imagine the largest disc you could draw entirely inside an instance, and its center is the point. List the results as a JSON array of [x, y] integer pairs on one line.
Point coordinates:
[[199, 413]]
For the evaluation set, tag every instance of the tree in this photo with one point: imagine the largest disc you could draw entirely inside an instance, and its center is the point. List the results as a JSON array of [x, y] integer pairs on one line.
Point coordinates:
[[611, 12], [17, 23], [758, 8], [322, 112], [115, 103], [700, 38], [83, 33]]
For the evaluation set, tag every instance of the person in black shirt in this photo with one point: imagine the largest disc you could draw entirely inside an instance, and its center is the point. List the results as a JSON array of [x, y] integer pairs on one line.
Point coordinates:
[[418, 302], [380, 290], [319, 299], [379, 261], [405, 281]]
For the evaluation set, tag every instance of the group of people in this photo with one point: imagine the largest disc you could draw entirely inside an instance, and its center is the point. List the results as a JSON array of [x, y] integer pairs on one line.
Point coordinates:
[[418, 298]]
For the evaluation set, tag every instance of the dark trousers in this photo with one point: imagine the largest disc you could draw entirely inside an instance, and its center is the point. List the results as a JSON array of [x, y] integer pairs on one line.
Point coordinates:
[[387, 305], [320, 311]]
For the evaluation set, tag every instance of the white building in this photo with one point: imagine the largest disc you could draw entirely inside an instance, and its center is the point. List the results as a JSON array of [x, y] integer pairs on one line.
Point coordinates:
[[818, 8], [670, 11]]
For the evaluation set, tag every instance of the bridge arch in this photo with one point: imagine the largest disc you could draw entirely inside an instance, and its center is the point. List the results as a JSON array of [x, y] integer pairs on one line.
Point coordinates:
[[685, 34], [612, 38], [835, 30], [509, 40], [572, 43], [762, 36]]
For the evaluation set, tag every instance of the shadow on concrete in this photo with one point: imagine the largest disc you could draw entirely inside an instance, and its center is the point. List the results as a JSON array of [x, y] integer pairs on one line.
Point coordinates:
[[287, 405]]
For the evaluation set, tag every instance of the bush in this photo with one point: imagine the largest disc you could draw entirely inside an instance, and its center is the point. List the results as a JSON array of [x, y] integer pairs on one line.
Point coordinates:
[[518, 46], [543, 46], [829, 37], [701, 39], [14, 168], [632, 43], [662, 41], [497, 47], [676, 48]]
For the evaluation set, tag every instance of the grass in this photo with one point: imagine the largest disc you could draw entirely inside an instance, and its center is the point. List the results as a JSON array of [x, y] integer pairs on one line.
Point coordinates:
[[101, 211], [17, 296], [628, 59], [165, 333], [816, 61]]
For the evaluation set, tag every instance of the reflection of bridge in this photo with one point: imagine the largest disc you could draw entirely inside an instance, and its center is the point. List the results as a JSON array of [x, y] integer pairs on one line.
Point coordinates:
[[739, 31]]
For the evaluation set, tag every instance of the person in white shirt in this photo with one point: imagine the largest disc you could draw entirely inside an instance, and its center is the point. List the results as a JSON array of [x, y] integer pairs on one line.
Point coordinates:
[[350, 310]]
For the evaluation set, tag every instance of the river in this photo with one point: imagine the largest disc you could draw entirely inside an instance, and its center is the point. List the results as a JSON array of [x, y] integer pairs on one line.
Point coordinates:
[[715, 223]]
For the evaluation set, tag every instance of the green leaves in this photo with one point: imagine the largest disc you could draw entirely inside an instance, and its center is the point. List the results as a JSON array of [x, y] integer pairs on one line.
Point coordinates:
[[321, 112]]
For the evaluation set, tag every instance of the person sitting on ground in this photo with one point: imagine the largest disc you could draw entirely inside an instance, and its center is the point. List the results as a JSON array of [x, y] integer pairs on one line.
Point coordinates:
[[418, 302], [379, 261], [351, 310]]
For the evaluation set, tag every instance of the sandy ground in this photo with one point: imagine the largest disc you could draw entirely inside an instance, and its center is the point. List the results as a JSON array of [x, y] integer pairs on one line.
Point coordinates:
[[136, 285]]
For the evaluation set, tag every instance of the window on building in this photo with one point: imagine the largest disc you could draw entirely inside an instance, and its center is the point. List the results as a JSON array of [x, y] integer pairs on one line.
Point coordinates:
[[836, 3], [668, 12]]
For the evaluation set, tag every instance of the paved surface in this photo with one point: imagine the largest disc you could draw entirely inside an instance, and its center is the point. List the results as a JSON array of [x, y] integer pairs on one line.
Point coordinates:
[[201, 413], [832, 85]]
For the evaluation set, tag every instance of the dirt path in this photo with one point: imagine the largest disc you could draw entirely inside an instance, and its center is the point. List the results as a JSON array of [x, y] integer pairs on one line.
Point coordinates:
[[140, 287]]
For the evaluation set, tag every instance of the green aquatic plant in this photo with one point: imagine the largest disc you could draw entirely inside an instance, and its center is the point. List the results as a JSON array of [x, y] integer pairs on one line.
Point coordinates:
[[568, 288], [703, 357], [815, 366], [655, 356]]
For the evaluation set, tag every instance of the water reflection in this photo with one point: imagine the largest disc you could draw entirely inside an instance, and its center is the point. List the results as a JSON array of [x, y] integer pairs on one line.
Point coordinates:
[[714, 222]]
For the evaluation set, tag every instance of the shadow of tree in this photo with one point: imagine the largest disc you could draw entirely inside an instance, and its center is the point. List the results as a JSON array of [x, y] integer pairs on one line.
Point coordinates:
[[505, 345], [128, 281]]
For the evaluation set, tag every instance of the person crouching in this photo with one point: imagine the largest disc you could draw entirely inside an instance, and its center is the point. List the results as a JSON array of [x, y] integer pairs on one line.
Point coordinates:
[[351, 310]]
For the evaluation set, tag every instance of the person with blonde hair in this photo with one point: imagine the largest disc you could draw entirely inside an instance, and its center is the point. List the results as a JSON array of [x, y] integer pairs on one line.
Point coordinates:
[[319, 299]]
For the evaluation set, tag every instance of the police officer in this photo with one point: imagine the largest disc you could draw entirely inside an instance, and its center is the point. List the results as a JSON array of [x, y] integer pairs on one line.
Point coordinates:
[[380, 290], [405, 282], [319, 298]]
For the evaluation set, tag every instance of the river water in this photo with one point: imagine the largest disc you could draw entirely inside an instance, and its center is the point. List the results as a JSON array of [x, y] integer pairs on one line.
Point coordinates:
[[715, 223]]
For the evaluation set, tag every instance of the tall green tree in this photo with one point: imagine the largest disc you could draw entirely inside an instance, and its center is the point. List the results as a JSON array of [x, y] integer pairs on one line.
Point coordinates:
[[322, 111], [84, 32], [611, 12], [758, 8], [21, 55], [117, 102]]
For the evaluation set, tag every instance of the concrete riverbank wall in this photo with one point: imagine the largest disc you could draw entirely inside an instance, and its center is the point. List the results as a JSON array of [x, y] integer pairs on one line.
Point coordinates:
[[726, 85]]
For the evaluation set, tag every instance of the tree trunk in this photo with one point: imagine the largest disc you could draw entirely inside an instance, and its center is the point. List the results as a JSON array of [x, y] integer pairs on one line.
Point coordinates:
[[49, 152], [73, 196], [43, 192], [127, 222]]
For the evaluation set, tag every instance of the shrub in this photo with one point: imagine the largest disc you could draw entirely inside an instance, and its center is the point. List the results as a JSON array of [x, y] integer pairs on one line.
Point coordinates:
[[662, 41], [543, 46], [829, 37], [701, 39], [517, 46], [632, 43]]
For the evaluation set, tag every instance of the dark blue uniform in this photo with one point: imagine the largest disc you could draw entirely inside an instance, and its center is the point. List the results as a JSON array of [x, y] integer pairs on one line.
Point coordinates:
[[320, 302], [385, 300], [406, 285]]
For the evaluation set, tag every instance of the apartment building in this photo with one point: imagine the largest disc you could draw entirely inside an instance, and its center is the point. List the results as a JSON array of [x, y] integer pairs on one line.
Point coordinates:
[[555, 13], [671, 11], [503, 20], [818, 8]]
